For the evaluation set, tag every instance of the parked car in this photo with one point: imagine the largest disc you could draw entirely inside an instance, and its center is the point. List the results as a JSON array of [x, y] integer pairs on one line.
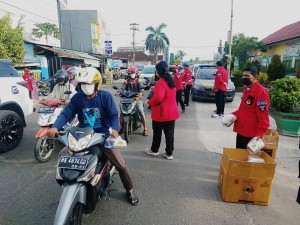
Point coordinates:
[[140, 68], [15, 106], [203, 84], [147, 76]]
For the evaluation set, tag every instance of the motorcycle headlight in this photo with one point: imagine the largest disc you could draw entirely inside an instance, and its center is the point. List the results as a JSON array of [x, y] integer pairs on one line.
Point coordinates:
[[77, 145]]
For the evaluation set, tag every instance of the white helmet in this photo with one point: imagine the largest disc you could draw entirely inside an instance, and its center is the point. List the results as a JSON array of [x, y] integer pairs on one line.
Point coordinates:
[[74, 70], [89, 76]]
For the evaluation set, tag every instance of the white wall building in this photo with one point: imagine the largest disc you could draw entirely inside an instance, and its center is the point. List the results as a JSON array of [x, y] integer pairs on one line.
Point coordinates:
[[34, 11]]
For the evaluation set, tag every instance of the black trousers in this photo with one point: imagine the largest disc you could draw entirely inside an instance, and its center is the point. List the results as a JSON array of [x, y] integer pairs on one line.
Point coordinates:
[[220, 101], [168, 127], [241, 141], [179, 99], [187, 92]]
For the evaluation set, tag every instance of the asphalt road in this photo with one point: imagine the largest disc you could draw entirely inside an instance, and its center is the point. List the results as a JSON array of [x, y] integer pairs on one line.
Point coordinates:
[[179, 192]]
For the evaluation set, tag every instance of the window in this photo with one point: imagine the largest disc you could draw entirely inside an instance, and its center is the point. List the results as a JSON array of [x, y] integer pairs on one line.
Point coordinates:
[[6, 70], [206, 74]]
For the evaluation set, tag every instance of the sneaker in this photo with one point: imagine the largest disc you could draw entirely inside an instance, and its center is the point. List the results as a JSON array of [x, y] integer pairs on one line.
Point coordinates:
[[169, 157], [217, 115], [149, 152], [183, 112]]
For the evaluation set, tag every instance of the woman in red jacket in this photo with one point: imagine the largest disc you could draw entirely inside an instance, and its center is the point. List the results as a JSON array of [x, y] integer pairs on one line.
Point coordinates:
[[164, 111]]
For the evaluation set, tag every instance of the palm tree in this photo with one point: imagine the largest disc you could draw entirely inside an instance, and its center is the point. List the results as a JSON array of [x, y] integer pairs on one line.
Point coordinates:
[[156, 41]]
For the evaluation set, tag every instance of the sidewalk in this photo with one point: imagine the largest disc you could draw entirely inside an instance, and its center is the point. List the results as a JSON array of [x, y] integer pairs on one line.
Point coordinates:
[[215, 136]]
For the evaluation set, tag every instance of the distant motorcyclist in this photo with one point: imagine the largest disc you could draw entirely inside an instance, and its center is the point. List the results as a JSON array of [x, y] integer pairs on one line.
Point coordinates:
[[73, 73], [133, 84], [63, 85]]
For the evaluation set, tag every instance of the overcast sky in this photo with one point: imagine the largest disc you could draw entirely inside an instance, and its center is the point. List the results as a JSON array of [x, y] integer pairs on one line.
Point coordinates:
[[194, 26]]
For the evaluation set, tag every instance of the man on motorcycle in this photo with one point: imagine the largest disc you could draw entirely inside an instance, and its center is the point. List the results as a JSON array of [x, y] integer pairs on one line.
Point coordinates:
[[96, 108], [133, 84], [63, 85], [73, 74]]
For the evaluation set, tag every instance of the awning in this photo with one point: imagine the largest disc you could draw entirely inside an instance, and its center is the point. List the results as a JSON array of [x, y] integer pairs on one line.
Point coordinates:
[[66, 53], [88, 59]]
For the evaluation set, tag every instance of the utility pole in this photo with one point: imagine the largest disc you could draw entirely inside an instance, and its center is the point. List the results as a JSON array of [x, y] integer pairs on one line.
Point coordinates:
[[133, 28], [230, 41]]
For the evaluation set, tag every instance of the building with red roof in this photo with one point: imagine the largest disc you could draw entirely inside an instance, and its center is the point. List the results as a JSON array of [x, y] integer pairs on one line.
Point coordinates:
[[286, 43]]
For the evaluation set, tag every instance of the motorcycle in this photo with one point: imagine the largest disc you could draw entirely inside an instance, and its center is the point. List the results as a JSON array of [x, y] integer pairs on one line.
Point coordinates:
[[84, 176], [44, 87], [129, 113], [44, 146]]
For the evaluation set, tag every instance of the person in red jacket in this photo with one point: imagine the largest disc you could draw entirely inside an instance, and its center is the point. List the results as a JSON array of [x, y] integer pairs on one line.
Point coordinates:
[[28, 79], [164, 111], [253, 113], [179, 86], [220, 86], [188, 74]]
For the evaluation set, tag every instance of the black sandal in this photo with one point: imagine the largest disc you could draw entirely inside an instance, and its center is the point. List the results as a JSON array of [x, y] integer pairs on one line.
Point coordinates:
[[132, 198], [145, 132]]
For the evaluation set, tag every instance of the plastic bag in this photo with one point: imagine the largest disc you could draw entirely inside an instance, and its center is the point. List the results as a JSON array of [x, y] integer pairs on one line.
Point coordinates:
[[228, 120], [117, 142], [255, 145], [255, 159]]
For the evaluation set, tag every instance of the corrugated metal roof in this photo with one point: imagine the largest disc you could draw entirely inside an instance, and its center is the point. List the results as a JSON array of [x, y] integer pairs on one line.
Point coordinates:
[[62, 53], [286, 33]]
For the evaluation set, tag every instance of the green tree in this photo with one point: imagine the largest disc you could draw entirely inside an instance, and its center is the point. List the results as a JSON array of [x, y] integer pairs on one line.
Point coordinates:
[[179, 56], [11, 40], [276, 69], [46, 29], [243, 48], [156, 41]]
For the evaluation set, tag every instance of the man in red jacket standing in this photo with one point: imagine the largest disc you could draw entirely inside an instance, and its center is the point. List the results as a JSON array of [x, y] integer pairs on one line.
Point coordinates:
[[220, 86], [253, 113], [187, 82]]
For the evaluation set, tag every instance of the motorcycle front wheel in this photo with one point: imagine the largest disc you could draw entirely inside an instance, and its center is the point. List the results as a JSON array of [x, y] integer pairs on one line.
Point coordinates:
[[46, 91], [76, 215], [44, 149], [127, 130]]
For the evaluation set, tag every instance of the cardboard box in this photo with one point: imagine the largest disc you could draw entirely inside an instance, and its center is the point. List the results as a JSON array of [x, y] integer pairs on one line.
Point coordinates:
[[243, 182], [271, 139]]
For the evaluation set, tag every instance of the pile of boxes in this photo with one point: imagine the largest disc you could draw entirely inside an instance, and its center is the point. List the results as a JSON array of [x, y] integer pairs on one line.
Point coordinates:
[[247, 182]]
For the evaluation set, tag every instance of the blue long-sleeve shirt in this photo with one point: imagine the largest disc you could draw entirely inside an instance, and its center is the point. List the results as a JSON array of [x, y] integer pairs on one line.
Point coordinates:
[[100, 112]]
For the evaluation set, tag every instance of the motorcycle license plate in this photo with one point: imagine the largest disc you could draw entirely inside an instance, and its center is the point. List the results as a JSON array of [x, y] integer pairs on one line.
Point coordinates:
[[46, 110], [73, 163]]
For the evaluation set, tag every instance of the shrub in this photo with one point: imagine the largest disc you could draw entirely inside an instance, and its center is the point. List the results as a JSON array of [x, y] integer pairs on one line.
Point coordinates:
[[262, 78], [276, 68], [237, 78], [285, 95]]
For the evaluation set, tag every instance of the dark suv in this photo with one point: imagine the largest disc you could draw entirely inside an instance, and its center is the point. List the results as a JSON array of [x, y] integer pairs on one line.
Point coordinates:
[[15, 106]]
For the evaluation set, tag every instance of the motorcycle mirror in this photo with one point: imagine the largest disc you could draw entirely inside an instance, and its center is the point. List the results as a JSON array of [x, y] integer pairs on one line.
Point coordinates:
[[115, 87], [67, 92]]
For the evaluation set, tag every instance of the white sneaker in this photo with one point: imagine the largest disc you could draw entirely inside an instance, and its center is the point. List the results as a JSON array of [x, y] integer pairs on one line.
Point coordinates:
[[169, 157], [149, 152], [216, 115]]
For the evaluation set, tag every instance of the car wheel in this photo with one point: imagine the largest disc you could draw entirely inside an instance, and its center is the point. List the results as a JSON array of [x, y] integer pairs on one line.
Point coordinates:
[[11, 130]]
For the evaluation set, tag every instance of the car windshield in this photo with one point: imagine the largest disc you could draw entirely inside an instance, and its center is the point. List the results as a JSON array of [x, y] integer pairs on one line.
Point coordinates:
[[206, 74], [196, 68], [149, 70], [6, 70]]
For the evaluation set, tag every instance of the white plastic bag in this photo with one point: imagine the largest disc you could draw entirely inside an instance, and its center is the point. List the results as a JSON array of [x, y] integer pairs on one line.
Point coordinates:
[[255, 145], [117, 142], [255, 159], [228, 120]]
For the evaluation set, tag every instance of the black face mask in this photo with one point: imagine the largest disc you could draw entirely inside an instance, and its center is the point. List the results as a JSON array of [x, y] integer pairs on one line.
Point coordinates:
[[246, 81]]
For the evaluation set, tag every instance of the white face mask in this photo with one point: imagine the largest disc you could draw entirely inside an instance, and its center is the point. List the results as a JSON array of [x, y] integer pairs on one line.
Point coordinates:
[[132, 76], [88, 89]]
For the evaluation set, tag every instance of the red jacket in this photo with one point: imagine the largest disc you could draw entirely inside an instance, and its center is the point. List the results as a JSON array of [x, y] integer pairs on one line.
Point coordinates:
[[163, 103], [188, 74], [221, 78], [253, 113], [178, 81], [28, 80]]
